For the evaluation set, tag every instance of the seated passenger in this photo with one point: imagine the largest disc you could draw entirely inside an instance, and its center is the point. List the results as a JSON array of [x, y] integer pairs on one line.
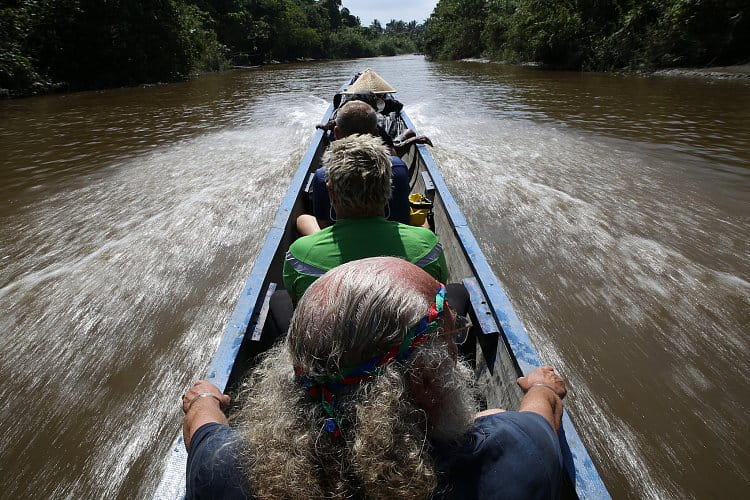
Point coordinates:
[[366, 398], [356, 117], [359, 184]]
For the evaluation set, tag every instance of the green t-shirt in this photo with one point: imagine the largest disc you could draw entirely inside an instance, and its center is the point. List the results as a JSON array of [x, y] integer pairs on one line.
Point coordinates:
[[311, 256]]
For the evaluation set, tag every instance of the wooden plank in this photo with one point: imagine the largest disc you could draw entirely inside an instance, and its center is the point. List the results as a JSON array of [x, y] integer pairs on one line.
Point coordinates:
[[481, 308], [260, 322], [429, 187], [308, 184]]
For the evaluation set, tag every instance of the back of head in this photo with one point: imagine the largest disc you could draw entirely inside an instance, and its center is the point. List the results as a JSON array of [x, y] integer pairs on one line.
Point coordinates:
[[356, 117], [355, 312], [359, 174]]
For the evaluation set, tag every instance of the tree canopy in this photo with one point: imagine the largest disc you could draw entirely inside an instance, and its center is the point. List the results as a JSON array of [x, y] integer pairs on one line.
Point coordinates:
[[79, 44], [592, 34]]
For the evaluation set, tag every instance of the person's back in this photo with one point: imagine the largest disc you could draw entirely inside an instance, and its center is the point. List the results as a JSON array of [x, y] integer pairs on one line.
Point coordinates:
[[358, 180], [353, 239], [398, 203]]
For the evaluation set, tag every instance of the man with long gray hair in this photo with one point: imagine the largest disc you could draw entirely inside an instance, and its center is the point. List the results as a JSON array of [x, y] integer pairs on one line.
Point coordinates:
[[366, 397]]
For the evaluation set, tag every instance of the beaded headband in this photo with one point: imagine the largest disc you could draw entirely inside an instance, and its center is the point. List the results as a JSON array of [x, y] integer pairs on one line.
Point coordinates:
[[325, 386]]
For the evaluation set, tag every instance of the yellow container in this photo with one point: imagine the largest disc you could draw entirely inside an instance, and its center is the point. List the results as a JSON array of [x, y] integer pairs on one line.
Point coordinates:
[[419, 207]]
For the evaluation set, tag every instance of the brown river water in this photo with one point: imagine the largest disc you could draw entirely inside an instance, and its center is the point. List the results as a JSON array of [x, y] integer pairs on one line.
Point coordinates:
[[615, 210]]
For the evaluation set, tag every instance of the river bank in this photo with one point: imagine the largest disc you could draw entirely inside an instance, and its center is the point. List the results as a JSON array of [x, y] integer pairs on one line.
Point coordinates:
[[737, 71]]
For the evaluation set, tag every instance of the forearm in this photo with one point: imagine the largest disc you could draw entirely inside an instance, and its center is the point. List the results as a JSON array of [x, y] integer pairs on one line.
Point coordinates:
[[543, 400], [203, 411]]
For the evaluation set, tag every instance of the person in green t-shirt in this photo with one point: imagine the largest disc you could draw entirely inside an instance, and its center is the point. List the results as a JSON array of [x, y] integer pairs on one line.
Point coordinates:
[[359, 185]]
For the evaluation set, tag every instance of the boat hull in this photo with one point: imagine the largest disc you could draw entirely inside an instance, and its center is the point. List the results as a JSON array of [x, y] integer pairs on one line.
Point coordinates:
[[500, 349]]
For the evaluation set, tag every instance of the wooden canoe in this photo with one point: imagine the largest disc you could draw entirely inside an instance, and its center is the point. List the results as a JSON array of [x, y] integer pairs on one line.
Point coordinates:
[[499, 345]]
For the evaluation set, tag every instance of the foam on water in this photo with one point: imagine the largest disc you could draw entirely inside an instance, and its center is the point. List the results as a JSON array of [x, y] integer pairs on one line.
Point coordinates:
[[137, 267], [578, 225]]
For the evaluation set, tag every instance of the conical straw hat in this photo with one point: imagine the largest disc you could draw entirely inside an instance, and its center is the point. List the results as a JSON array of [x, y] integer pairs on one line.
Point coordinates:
[[369, 81]]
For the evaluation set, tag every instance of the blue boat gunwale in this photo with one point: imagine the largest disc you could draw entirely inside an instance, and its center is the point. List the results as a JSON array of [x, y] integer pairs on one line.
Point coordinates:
[[579, 466], [254, 288]]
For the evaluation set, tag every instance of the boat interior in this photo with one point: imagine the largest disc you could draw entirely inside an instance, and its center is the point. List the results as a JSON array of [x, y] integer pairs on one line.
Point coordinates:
[[498, 346]]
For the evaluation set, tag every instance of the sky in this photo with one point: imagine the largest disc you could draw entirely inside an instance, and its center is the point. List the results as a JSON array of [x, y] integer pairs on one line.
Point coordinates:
[[385, 10]]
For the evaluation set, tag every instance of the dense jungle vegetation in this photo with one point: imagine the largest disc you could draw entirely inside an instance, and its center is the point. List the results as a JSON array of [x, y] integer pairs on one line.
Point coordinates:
[[592, 34], [80, 44]]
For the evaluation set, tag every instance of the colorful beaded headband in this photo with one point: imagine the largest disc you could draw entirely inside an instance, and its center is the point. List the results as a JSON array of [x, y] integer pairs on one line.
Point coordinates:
[[324, 387]]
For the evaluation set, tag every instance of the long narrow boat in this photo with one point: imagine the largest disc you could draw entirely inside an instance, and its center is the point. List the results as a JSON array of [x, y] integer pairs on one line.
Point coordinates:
[[499, 347]]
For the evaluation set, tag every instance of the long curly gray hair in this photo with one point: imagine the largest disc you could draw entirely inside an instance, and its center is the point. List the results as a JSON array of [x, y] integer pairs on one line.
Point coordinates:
[[352, 314]]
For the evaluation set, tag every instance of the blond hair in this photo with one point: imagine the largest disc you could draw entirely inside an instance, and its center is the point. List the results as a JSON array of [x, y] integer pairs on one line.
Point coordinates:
[[358, 171]]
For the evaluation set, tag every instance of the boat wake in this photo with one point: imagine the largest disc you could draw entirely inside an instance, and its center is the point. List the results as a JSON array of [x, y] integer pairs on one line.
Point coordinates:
[[615, 279], [134, 272]]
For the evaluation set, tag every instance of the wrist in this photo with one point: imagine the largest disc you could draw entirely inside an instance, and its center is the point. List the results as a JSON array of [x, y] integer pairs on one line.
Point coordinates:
[[545, 387], [202, 397]]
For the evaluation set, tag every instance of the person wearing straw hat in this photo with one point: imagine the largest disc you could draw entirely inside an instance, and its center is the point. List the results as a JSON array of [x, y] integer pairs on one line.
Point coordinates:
[[371, 88], [366, 398], [370, 81]]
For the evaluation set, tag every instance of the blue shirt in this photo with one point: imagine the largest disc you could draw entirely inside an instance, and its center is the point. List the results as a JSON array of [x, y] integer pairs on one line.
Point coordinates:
[[398, 204], [213, 467], [506, 455]]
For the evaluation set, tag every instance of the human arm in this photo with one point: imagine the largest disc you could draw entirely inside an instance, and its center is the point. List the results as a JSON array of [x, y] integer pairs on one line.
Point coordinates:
[[291, 278], [401, 148], [203, 404], [543, 391], [307, 224]]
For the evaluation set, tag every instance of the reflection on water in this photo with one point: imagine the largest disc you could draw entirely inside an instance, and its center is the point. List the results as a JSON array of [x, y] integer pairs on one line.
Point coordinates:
[[614, 209]]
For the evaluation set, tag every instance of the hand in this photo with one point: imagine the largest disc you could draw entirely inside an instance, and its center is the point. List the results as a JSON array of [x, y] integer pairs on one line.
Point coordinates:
[[544, 375], [326, 126], [204, 387]]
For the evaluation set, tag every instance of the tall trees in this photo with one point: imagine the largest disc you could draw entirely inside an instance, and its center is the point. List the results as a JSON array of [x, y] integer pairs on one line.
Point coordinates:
[[99, 43], [593, 34], [455, 28]]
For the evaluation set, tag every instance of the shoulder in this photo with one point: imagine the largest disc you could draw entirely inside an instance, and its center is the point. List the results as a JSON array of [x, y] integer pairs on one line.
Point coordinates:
[[397, 162], [302, 246], [418, 233], [319, 180], [399, 171], [518, 426], [525, 445], [214, 469], [506, 455]]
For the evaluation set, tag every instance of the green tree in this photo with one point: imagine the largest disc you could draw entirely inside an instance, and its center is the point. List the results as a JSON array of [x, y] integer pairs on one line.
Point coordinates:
[[17, 69], [348, 20], [455, 29], [375, 28]]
